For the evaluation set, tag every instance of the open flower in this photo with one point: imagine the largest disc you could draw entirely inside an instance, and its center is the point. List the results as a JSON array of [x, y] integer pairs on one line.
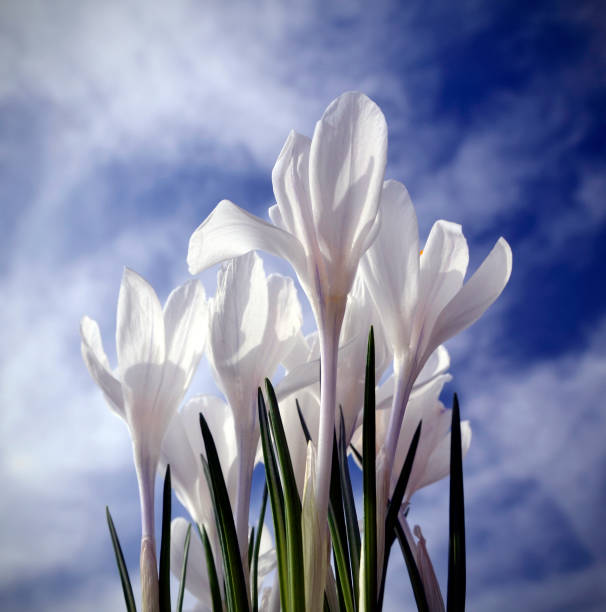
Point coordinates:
[[252, 324], [158, 352], [422, 297], [327, 192]]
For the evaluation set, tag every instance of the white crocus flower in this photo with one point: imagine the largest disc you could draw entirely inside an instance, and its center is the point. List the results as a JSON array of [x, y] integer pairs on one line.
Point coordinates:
[[182, 448], [252, 325], [422, 298], [197, 571], [432, 458], [158, 352], [327, 191]]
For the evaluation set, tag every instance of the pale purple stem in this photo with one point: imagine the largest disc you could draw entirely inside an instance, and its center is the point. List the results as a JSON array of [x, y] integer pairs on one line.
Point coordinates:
[[329, 332], [146, 476], [403, 386], [245, 470]]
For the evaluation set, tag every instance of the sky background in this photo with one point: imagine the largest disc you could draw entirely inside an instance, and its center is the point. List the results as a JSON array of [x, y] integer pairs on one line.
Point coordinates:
[[122, 124]]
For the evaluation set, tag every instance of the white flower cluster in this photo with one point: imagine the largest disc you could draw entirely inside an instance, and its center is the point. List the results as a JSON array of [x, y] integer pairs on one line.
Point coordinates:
[[352, 240]]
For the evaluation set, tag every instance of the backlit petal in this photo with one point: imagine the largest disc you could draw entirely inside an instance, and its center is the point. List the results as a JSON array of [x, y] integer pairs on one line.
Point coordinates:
[[230, 231], [347, 164], [478, 293], [98, 365]]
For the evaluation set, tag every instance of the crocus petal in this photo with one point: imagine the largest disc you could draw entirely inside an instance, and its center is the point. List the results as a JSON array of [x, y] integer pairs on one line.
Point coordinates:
[[290, 178], [347, 163], [197, 572], [391, 264], [438, 464], [140, 339], [185, 321], [478, 293], [98, 365], [442, 268], [230, 231]]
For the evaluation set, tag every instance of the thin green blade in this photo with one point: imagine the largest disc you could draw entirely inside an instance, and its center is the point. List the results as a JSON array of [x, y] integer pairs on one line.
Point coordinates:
[[413, 571], [272, 478], [254, 568], [400, 488], [232, 563], [126, 586], [303, 423], [395, 504], [213, 580], [292, 506], [351, 515], [164, 574], [184, 571], [251, 544], [338, 533], [369, 481], [456, 539]]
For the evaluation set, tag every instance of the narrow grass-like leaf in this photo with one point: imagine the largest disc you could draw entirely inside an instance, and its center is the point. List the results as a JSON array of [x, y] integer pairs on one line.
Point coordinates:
[[292, 506], [413, 570], [183, 571], [251, 544], [338, 532], [272, 478], [254, 566], [369, 482], [456, 539], [213, 580], [164, 574], [400, 488], [237, 595], [394, 506], [303, 423], [351, 515], [126, 587]]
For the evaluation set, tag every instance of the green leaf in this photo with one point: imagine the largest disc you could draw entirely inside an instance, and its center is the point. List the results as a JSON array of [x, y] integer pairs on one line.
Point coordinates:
[[456, 539], [213, 580], [338, 533], [351, 515], [237, 595], [369, 482], [272, 478], [251, 543], [413, 570], [255, 558], [395, 504], [183, 571], [303, 423], [292, 506], [164, 574], [400, 488], [126, 587]]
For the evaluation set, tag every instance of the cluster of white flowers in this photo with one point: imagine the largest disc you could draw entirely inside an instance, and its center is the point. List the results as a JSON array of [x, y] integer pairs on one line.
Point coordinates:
[[352, 239]]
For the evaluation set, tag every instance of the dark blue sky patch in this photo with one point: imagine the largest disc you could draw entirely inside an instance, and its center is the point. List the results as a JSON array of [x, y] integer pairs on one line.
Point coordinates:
[[533, 536]]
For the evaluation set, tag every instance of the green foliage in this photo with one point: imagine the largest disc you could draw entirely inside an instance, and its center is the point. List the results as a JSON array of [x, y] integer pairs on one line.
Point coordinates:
[[124, 578], [164, 574], [456, 538]]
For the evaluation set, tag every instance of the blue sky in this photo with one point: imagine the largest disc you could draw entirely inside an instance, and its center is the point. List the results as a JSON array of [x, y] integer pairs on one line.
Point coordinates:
[[123, 124]]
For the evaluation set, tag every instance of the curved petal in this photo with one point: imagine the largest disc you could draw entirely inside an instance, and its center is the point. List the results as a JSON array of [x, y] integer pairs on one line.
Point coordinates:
[[438, 464], [346, 168], [230, 231], [98, 365], [238, 319], [478, 293], [391, 264], [442, 268], [290, 178], [197, 573], [185, 320], [283, 322], [140, 337]]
